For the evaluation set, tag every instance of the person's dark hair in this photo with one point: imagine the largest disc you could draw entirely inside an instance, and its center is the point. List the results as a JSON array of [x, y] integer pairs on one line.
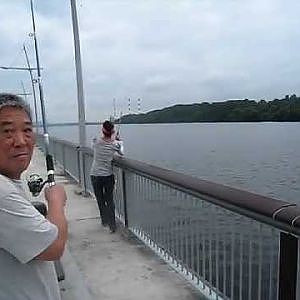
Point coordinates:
[[14, 101], [107, 128]]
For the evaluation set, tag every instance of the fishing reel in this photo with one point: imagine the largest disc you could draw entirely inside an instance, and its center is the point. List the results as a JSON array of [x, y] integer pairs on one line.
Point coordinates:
[[35, 183]]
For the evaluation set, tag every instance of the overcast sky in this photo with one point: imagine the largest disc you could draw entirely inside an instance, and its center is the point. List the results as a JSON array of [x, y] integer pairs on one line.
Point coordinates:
[[163, 52]]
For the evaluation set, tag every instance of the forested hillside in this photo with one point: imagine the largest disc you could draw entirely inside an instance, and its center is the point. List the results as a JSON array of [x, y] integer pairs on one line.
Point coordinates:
[[286, 109]]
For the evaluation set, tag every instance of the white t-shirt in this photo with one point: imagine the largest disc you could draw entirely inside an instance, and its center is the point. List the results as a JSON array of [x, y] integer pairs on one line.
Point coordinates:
[[24, 233]]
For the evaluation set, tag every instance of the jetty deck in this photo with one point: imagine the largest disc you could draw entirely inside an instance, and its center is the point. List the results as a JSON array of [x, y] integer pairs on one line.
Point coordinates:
[[100, 265]]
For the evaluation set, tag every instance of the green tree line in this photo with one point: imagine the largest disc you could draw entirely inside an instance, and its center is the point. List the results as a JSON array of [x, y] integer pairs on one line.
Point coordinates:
[[281, 110]]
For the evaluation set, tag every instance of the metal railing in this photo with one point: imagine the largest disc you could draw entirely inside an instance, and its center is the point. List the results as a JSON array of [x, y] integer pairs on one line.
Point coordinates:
[[230, 244]]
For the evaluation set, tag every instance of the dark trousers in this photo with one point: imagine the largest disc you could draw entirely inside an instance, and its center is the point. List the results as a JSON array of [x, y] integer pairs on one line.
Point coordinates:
[[103, 188]]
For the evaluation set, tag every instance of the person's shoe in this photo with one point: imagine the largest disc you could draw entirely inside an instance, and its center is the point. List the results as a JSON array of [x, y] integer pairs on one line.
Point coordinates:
[[112, 230]]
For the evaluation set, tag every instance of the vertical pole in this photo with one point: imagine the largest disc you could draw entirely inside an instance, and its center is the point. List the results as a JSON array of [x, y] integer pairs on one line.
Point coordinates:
[[124, 198], [288, 262], [80, 94]]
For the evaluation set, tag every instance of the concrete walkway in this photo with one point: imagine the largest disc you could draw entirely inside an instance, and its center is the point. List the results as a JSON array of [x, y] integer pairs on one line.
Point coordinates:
[[100, 265]]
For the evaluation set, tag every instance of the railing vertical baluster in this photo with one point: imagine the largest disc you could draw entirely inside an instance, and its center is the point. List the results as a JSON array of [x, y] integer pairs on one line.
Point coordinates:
[[124, 198], [288, 261], [156, 225], [181, 235], [147, 195], [187, 240], [271, 255], [217, 253], [159, 227], [232, 260], [193, 237], [203, 250], [84, 174], [241, 267], [177, 233], [250, 267], [78, 165], [64, 159], [141, 200], [198, 226], [210, 238], [259, 278], [224, 264]]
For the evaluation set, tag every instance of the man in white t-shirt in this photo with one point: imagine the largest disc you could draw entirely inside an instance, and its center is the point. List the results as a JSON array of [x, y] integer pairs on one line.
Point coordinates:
[[29, 242]]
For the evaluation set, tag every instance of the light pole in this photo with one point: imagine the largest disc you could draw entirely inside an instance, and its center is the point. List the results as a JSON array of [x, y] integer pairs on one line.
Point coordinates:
[[80, 94]]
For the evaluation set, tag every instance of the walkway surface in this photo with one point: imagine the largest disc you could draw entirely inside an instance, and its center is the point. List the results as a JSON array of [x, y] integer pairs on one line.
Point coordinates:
[[101, 265]]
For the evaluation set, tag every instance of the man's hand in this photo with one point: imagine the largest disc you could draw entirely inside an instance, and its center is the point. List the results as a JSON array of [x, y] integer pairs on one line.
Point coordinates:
[[56, 198], [56, 193]]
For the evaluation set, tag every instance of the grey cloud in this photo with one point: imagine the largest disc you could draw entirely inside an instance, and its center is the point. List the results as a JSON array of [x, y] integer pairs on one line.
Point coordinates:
[[164, 52]]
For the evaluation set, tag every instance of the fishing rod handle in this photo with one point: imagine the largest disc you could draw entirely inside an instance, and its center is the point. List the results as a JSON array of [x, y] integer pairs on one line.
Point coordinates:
[[50, 170]]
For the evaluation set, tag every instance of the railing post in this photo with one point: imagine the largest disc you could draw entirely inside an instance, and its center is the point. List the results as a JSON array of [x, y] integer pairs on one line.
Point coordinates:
[[288, 263], [84, 174], [64, 158], [124, 198], [78, 164]]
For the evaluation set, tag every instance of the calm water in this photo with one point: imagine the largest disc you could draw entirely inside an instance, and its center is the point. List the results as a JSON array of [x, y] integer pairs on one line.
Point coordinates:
[[258, 157]]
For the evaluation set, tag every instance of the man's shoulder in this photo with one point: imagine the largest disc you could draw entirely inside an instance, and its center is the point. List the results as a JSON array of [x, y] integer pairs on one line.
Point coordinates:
[[6, 185]]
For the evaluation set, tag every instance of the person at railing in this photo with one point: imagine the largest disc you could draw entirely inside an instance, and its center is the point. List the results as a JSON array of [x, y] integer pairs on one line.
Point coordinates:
[[29, 242], [102, 177]]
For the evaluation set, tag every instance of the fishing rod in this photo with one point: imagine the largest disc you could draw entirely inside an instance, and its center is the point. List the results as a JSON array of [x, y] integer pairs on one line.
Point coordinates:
[[35, 182], [33, 88], [119, 127]]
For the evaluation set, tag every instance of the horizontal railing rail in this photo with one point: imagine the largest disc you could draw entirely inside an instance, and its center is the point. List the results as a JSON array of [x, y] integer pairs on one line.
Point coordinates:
[[280, 214], [231, 244]]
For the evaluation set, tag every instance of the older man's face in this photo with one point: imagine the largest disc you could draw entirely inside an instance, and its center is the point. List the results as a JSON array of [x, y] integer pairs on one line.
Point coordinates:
[[16, 141]]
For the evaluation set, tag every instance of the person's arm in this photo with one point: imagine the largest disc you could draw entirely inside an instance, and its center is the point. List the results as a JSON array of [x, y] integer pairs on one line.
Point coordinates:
[[56, 198]]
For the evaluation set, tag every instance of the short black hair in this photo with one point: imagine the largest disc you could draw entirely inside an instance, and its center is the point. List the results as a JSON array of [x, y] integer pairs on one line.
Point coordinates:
[[7, 99], [108, 125]]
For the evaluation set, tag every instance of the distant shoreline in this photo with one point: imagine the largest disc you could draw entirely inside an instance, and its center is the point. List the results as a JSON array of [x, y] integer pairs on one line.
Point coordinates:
[[157, 123]]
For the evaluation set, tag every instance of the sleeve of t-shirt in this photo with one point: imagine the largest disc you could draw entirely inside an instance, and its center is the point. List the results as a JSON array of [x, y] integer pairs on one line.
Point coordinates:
[[24, 232]]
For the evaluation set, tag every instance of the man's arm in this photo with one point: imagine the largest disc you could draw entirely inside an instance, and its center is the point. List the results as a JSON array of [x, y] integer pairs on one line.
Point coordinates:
[[56, 198]]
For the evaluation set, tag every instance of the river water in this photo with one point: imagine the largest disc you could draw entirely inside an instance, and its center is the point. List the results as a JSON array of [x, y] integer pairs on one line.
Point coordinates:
[[260, 157]]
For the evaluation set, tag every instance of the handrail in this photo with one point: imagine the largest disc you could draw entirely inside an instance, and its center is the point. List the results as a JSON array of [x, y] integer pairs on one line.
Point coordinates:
[[280, 214]]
